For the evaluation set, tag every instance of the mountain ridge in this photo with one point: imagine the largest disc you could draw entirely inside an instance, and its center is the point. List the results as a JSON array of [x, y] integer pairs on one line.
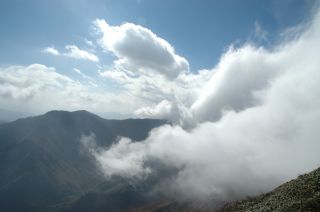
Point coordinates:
[[43, 161]]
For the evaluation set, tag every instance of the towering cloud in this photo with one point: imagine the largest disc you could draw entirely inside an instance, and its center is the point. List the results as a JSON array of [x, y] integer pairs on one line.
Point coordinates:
[[139, 49], [239, 76], [256, 122]]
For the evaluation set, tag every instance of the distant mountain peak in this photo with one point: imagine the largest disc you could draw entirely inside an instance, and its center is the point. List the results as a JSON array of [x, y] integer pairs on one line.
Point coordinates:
[[71, 114], [54, 112]]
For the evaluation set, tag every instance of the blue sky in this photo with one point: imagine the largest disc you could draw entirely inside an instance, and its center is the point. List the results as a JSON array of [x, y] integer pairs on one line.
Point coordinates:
[[199, 30], [64, 35]]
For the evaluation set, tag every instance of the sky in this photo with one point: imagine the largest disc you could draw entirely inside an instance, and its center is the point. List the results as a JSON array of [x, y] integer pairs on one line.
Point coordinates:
[[63, 37]]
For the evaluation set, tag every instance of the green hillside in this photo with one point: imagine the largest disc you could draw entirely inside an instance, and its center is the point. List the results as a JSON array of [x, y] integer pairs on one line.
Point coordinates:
[[301, 194]]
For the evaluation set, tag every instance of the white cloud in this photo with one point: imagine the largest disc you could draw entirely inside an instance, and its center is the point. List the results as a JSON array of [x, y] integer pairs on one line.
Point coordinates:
[[140, 50], [20, 82], [75, 52], [163, 109], [149, 90], [77, 71], [89, 42], [239, 76], [257, 125], [37, 88], [51, 50], [121, 77], [175, 112], [84, 76], [72, 52], [129, 163], [148, 69]]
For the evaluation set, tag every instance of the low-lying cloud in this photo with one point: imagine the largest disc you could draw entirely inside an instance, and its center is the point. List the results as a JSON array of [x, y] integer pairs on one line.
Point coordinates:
[[256, 125]]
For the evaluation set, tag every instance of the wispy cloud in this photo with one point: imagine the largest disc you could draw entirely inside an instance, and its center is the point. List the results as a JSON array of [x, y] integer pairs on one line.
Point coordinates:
[[72, 51], [75, 52], [259, 33], [51, 50]]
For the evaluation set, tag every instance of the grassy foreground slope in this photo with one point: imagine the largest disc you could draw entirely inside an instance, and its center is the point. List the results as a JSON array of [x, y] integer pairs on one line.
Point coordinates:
[[301, 194]]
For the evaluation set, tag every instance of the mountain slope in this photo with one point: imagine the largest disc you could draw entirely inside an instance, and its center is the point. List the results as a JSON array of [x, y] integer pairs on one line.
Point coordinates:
[[301, 194], [119, 194], [42, 160]]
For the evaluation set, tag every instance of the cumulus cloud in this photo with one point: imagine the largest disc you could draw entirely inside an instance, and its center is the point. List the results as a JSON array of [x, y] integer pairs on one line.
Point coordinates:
[[161, 110], [124, 159], [256, 125], [239, 76], [150, 91], [173, 111], [40, 88], [234, 84], [20, 82], [155, 94], [147, 68], [140, 50], [73, 52]]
